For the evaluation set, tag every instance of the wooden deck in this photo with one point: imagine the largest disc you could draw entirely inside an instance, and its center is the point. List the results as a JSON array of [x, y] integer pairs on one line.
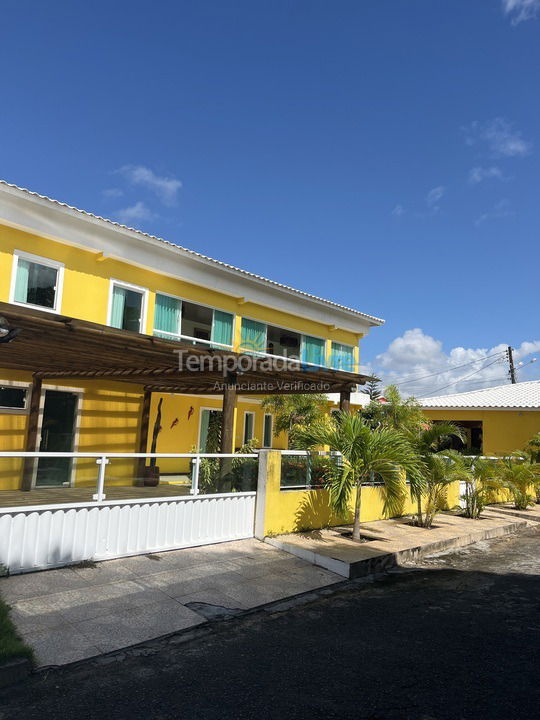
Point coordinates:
[[55, 495]]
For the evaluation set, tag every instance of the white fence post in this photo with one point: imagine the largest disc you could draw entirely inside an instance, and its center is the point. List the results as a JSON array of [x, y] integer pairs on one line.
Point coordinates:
[[195, 475], [102, 462]]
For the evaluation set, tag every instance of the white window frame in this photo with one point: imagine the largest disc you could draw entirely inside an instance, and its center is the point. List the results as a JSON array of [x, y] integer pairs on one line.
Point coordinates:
[[144, 305], [268, 415], [331, 353], [246, 413], [58, 266], [190, 339], [296, 332], [204, 407], [18, 385]]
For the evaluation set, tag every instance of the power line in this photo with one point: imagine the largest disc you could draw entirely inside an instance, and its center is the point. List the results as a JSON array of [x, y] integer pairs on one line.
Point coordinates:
[[456, 382], [452, 367]]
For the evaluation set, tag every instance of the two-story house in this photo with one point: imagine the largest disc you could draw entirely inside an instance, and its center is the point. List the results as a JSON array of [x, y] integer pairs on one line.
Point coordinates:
[[99, 306]]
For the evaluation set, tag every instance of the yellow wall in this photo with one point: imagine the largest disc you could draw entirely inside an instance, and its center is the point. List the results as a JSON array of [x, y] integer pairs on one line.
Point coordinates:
[[86, 288], [503, 430], [297, 510], [109, 421]]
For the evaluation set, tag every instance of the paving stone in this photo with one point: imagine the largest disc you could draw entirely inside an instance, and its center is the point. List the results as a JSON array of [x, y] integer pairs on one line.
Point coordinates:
[[60, 645]]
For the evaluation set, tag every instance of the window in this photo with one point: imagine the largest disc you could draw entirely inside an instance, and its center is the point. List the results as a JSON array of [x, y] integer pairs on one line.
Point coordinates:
[[182, 320], [12, 398], [284, 343], [257, 337], [249, 423], [342, 357], [313, 350], [128, 306], [268, 429], [210, 431], [36, 281]]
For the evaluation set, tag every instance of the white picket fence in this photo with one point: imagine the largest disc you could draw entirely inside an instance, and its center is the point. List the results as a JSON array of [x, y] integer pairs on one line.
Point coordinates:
[[38, 537]]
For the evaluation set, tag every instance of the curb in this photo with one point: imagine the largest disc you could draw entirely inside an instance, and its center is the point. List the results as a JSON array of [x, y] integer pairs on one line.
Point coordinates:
[[386, 560], [14, 671]]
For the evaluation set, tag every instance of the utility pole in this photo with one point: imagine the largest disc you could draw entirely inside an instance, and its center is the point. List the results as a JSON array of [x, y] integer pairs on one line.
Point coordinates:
[[512, 370]]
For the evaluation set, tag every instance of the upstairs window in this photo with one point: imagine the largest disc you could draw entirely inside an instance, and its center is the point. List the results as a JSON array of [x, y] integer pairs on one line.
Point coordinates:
[[313, 351], [177, 319], [281, 342], [342, 357], [128, 304], [37, 281]]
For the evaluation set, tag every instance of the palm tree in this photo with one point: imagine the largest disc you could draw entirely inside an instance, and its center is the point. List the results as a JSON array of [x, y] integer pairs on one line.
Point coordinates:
[[428, 438], [440, 471], [519, 477], [384, 453], [480, 477]]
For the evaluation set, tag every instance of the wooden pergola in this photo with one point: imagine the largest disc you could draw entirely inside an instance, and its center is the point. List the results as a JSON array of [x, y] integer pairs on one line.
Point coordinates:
[[52, 346]]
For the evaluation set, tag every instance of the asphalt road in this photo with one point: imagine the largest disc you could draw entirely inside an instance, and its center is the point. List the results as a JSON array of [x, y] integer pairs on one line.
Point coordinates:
[[458, 638]]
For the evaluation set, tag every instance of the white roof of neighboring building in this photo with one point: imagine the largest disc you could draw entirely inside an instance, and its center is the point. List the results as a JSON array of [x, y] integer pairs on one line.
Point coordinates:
[[519, 395], [135, 234], [357, 398]]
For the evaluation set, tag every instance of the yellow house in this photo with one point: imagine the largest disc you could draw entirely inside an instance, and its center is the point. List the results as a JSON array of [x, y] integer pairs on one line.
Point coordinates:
[[496, 420], [60, 266]]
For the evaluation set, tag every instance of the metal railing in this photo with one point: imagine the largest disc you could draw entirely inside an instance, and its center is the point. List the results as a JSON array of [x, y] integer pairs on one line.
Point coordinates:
[[103, 460]]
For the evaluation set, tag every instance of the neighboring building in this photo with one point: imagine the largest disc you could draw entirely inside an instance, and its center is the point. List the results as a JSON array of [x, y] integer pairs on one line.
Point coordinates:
[[60, 261], [496, 420]]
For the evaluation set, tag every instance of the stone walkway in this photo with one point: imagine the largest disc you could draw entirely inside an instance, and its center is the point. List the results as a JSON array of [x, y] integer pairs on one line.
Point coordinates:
[[390, 541], [74, 613]]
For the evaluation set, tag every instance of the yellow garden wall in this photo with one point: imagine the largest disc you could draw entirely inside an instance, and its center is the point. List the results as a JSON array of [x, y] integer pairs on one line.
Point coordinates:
[[297, 510]]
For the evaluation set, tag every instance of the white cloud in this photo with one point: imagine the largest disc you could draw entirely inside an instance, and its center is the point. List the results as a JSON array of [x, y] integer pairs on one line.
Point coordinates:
[[478, 174], [520, 10], [434, 195], [113, 193], [165, 188], [398, 210], [134, 213], [501, 209], [500, 137], [415, 355]]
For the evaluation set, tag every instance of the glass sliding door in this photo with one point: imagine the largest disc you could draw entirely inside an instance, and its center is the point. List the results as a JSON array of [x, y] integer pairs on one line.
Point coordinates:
[[313, 350], [167, 316]]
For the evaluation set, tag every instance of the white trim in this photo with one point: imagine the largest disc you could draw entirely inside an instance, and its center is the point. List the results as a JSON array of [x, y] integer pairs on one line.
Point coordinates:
[[268, 447], [57, 221], [20, 385], [180, 335], [79, 392], [38, 260], [246, 413], [479, 408], [144, 304], [204, 407]]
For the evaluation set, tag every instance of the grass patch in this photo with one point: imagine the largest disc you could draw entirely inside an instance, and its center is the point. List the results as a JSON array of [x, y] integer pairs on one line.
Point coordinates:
[[11, 645]]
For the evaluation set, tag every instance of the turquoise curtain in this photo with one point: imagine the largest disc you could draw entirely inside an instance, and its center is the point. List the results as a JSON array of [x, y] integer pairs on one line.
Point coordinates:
[[21, 283], [205, 421], [253, 338], [313, 350], [167, 315], [342, 357], [118, 305], [222, 328]]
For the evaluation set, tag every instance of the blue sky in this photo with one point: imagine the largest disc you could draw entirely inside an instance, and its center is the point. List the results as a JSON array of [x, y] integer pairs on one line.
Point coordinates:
[[382, 154]]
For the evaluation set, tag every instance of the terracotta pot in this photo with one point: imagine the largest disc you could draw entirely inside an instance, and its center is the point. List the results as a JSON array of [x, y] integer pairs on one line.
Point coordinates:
[[151, 476]]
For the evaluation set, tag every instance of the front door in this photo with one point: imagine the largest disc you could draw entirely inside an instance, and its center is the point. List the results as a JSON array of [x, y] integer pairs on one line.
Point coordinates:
[[57, 435]]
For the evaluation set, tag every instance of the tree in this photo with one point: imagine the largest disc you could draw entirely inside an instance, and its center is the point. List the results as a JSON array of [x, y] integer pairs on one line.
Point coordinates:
[[480, 477], [384, 453], [373, 389], [428, 438], [440, 471], [395, 412], [519, 477], [292, 411]]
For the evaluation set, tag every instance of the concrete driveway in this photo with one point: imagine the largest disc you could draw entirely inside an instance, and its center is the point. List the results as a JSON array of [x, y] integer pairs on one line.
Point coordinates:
[[74, 613]]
